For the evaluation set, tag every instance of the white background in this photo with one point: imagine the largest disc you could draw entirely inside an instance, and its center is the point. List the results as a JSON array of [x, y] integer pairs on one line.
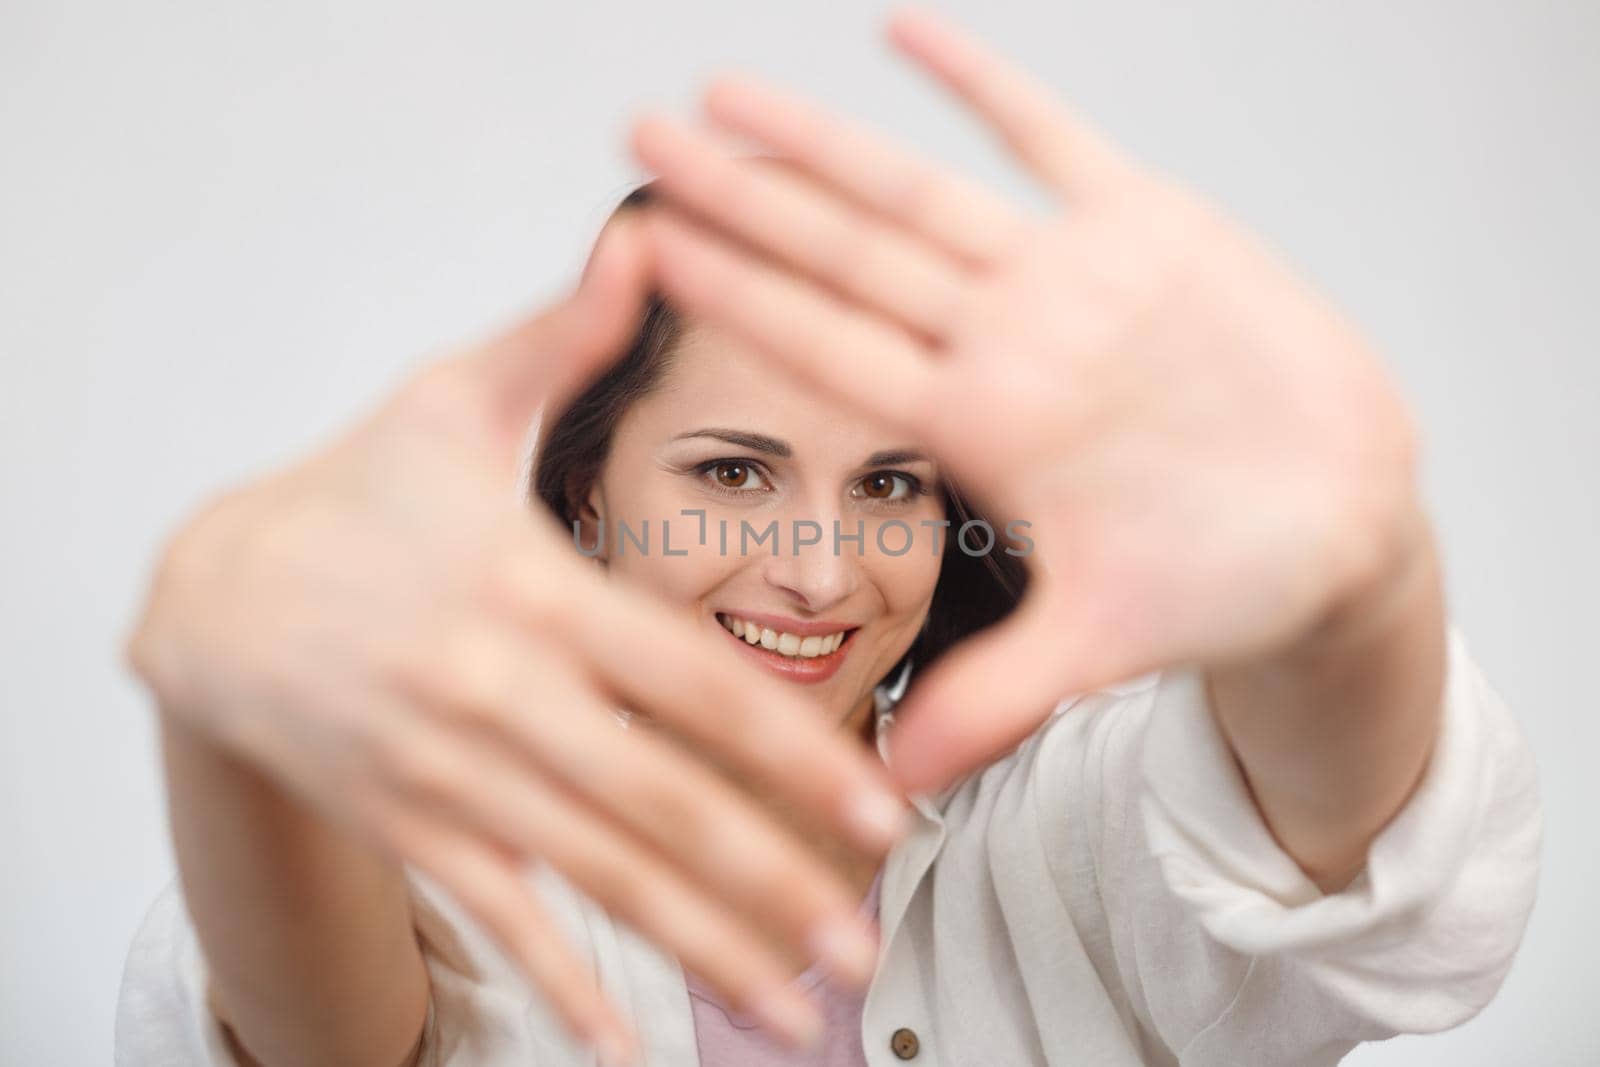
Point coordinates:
[[226, 228]]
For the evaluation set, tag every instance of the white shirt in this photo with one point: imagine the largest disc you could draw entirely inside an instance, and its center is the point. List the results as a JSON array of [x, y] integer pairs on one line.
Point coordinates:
[[1105, 895]]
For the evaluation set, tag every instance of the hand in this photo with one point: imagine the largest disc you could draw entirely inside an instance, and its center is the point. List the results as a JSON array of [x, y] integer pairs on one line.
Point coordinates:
[[1211, 461], [389, 632]]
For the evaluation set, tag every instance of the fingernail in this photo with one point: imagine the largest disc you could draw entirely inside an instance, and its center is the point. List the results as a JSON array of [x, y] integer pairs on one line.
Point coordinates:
[[845, 948], [791, 1015], [879, 818]]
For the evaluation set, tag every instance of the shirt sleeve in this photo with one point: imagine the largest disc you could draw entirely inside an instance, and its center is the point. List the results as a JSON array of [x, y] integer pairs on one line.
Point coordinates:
[[163, 1017], [1419, 942], [479, 1014]]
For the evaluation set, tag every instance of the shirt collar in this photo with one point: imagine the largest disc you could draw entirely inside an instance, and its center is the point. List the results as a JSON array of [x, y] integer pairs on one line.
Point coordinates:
[[886, 700]]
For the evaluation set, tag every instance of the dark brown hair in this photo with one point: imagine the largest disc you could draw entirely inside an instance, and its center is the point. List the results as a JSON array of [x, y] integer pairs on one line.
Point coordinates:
[[973, 591]]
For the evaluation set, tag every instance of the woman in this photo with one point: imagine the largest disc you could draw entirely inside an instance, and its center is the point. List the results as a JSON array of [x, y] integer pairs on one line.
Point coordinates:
[[1278, 813]]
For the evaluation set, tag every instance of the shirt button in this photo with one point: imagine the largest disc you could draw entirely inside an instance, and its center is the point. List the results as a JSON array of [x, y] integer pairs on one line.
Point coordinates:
[[905, 1043]]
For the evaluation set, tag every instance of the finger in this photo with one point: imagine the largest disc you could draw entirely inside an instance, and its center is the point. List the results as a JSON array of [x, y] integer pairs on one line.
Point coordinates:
[[654, 788], [479, 786], [1060, 148], [716, 832], [853, 354], [492, 889], [1017, 671], [792, 218], [548, 357], [949, 212], [683, 678]]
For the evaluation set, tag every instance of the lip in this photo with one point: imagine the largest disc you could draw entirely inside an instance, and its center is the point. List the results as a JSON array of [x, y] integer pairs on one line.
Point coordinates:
[[811, 671]]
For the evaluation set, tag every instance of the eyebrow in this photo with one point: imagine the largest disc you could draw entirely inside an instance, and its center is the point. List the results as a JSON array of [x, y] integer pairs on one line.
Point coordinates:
[[760, 442]]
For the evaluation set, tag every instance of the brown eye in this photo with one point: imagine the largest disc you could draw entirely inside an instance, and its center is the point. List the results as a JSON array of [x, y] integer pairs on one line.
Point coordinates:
[[879, 486], [733, 476], [889, 487]]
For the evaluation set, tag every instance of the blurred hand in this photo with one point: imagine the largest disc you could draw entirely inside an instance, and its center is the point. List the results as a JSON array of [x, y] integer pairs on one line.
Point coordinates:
[[1210, 459], [388, 631]]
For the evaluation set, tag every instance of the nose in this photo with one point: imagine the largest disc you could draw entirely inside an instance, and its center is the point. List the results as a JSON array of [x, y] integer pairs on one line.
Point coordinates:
[[813, 575]]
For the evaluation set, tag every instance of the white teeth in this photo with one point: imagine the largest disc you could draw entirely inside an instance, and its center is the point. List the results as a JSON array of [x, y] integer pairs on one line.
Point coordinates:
[[786, 644]]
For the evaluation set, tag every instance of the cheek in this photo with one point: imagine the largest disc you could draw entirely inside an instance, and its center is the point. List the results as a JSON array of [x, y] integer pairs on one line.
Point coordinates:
[[678, 581], [690, 572], [905, 581]]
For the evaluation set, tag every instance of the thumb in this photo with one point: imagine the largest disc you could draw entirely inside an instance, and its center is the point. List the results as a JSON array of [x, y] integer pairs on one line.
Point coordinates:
[[988, 693], [549, 357]]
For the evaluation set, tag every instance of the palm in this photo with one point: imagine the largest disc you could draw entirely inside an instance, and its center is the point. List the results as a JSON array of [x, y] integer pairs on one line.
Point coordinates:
[[1206, 455], [1176, 447]]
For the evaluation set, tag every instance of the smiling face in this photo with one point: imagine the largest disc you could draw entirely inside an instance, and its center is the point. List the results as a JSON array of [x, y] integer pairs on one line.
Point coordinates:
[[725, 434]]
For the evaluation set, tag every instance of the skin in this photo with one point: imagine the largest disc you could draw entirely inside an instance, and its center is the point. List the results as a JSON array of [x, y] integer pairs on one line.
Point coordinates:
[[370, 658], [1218, 470], [658, 468]]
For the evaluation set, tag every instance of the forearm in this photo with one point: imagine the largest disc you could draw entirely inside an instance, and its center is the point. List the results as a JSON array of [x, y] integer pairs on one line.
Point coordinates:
[[1334, 734], [307, 933]]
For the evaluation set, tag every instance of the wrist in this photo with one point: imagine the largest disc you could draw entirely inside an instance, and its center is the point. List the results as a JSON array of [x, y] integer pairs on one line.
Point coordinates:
[[1388, 595]]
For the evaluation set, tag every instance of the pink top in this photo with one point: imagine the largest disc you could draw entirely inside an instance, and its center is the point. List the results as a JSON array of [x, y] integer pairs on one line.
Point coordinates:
[[728, 1038]]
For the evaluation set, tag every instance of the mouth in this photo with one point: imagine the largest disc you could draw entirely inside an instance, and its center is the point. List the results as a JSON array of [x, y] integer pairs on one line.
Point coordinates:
[[796, 657]]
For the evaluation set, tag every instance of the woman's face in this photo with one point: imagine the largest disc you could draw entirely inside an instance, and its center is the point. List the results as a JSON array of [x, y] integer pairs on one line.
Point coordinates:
[[773, 465]]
